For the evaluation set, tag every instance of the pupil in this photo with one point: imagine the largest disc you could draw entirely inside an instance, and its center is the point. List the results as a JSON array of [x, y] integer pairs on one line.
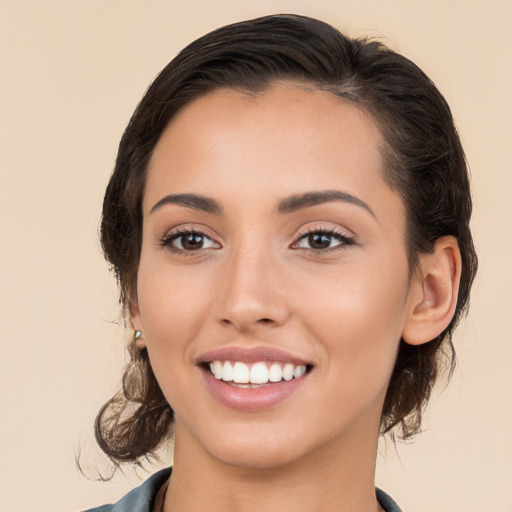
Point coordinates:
[[192, 241], [319, 241]]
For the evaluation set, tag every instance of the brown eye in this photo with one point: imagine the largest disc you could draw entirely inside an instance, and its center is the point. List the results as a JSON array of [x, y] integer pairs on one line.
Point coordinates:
[[323, 241], [319, 240], [192, 241], [188, 241]]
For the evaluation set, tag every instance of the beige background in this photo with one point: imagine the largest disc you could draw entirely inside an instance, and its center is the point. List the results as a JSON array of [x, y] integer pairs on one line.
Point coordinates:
[[71, 74]]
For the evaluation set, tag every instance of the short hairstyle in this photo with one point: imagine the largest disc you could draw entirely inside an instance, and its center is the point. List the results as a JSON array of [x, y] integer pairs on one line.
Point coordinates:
[[423, 162]]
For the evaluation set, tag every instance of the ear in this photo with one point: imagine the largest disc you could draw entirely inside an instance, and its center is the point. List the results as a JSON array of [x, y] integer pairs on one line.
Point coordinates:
[[433, 292], [136, 323]]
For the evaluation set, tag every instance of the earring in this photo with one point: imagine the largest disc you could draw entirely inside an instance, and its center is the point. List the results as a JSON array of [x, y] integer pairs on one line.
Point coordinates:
[[138, 339]]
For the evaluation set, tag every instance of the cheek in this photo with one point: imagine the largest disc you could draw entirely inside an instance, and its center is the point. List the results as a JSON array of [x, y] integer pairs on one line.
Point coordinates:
[[171, 301], [172, 309], [359, 298], [171, 312], [358, 323]]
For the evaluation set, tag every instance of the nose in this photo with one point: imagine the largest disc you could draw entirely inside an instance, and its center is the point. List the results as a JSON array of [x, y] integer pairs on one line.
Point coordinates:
[[251, 295]]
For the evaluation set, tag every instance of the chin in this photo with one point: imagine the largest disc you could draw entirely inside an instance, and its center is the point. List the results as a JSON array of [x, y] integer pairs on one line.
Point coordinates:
[[246, 446], [262, 457], [269, 446]]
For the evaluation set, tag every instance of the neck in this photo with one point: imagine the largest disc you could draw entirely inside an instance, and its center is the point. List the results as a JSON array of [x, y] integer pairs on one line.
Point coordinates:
[[337, 477]]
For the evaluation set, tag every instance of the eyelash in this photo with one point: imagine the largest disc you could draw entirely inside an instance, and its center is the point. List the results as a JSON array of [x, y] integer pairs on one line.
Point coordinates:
[[344, 239], [169, 238]]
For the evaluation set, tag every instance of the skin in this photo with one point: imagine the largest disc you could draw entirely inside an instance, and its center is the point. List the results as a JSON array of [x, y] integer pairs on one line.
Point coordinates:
[[256, 282]]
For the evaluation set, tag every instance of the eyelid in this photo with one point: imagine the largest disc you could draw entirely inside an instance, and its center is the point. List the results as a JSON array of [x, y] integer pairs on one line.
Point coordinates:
[[325, 228], [187, 229], [346, 237], [190, 227]]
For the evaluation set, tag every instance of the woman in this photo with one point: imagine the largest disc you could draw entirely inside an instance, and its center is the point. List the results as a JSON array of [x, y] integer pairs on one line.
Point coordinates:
[[288, 221]]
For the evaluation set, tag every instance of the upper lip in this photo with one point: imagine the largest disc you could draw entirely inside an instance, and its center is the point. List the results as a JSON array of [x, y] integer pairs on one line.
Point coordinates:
[[250, 355]]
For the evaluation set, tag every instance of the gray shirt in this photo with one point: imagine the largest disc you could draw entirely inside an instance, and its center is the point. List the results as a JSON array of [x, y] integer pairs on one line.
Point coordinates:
[[142, 498]]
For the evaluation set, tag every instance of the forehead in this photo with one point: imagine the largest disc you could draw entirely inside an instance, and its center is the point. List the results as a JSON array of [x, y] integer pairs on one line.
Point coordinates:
[[287, 139], [295, 112]]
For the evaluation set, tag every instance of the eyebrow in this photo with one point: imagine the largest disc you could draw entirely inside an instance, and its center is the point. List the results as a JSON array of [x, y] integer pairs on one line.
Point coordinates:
[[194, 201], [289, 205], [301, 201]]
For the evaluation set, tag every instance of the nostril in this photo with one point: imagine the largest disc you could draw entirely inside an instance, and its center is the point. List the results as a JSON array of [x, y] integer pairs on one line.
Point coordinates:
[[248, 323], [247, 327]]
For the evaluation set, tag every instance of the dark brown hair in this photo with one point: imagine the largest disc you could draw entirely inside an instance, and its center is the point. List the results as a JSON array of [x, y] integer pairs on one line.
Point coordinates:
[[424, 163]]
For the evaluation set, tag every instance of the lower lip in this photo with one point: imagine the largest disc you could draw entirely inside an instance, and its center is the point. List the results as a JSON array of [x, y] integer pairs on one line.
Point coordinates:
[[252, 399]]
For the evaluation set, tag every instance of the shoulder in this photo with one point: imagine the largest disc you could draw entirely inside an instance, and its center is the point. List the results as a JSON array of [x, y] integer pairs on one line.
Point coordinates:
[[141, 498], [387, 502]]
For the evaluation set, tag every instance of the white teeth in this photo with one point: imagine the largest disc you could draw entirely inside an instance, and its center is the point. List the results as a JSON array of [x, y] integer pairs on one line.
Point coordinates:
[[227, 372], [298, 371], [288, 371], [257, 373], [275, 374], [240, 373], [216, 369]]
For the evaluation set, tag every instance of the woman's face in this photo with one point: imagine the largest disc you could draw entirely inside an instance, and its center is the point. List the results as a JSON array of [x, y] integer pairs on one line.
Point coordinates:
[[272, 245]]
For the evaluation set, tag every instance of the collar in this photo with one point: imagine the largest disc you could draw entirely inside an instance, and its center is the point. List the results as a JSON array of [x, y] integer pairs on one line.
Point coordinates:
[[142, 498]]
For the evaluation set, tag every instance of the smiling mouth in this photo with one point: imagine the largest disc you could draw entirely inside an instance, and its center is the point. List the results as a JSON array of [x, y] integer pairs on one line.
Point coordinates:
[[253, 375]]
